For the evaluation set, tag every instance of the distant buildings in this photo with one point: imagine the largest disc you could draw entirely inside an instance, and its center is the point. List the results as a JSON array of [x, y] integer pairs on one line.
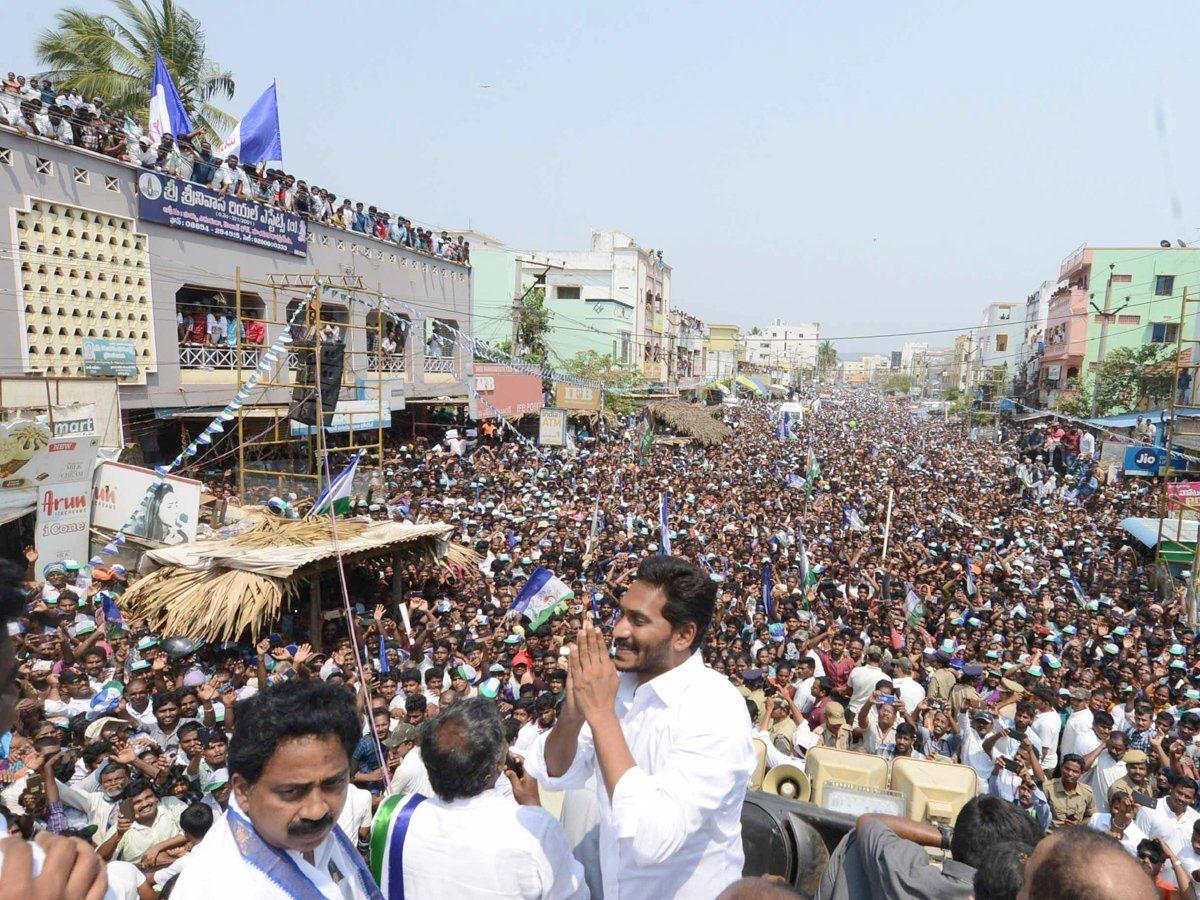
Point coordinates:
[[613, 298]]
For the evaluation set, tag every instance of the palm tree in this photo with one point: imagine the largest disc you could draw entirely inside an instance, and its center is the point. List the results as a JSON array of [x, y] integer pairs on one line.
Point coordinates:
[[112, 57], [826, 357]]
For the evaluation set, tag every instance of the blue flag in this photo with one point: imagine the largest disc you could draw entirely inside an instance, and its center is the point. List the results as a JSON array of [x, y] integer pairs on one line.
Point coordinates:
[[167, 114], [108, 603], [383, 660], [852, 520], [768, 603], [256, 137], [970, 577], [796, 481], [664, 529]]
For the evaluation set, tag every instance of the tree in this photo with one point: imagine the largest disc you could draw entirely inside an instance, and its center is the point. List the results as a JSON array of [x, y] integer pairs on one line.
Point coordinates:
[[533, 322], [897, 383], [827, 358], [112, 56], [601, 367], [1133, 378]]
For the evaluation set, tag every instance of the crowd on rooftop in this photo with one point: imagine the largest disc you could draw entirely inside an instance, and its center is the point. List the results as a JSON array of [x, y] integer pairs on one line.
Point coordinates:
[[35, 107]]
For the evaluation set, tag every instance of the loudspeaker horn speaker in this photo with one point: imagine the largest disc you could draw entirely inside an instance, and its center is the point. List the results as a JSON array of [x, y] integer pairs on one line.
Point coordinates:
[[789, 782]]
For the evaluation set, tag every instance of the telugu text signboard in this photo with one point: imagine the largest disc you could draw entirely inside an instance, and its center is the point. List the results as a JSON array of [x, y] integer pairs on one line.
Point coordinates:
[[181, 204], [107, 357], [1183, 493]]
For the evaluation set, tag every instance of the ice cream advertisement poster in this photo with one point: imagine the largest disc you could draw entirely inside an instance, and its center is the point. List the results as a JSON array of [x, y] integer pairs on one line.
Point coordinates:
[[32, 456], [64, 512]]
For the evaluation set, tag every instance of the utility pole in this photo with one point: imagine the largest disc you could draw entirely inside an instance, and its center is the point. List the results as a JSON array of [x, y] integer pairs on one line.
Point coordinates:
[[1106, 315]]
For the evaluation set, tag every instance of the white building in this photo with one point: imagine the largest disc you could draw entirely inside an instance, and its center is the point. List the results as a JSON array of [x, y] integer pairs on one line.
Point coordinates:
[[785, 346], [1037, 314], [909, 353], [617, 271], [997, 342]]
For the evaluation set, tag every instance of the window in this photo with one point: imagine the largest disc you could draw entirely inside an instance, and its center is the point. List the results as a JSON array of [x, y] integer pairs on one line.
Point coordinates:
[[1164, 285], [1164, 332], [44, 166], [567, 293], [1129, 320], [625, 341], [5, 156], [1001, 343], [112, 184], [82, 176]]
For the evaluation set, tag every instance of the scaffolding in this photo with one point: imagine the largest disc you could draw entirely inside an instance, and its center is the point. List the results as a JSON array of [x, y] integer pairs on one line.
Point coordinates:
[[1181, 432], [278, 456]]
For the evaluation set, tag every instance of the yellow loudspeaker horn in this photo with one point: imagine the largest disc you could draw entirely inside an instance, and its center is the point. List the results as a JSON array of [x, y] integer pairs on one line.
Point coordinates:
[[787, 781], [760, 764]]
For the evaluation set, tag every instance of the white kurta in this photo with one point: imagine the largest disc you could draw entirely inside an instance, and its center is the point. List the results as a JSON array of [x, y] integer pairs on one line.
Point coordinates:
[[217, 870], [673, 827]]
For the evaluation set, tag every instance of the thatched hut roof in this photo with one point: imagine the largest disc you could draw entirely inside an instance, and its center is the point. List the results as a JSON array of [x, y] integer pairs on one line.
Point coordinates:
[[681, 418], [236, 582]]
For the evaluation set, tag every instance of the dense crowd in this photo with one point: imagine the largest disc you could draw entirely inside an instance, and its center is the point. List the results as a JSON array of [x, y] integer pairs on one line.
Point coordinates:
[[1012, 628], [35, 107]]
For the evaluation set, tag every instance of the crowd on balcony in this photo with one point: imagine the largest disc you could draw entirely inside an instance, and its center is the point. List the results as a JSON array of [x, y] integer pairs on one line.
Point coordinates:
[[35, 107], [216, 324]]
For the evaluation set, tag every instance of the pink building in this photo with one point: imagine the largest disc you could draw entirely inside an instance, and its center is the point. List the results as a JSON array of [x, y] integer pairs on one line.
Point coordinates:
[[1065, 338]]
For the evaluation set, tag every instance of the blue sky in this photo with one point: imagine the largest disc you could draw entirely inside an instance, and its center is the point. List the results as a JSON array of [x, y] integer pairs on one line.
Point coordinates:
[[877, 167]]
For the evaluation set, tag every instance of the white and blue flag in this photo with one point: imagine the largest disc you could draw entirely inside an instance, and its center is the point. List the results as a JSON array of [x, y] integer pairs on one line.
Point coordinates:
[[852, 520], [797, 481], [664, 510], [768, 602], [167, 115], [255, 138], [543, 595]]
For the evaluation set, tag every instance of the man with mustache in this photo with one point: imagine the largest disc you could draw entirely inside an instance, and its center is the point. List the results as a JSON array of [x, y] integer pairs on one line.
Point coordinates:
[[289, 764], [665, 737]]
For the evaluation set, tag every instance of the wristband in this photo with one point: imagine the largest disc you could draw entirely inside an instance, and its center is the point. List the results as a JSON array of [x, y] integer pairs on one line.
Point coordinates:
[[947, 833]]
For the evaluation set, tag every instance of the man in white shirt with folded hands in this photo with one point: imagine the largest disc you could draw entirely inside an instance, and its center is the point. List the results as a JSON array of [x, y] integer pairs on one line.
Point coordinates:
[[666, 737]]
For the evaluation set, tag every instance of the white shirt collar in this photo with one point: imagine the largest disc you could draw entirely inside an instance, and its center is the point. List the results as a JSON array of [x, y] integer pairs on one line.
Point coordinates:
[[671, 684]]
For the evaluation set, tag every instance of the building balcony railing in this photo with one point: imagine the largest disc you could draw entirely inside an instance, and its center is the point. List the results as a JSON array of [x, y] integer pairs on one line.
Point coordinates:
[[441, 365], [386, 362], [197, 356]]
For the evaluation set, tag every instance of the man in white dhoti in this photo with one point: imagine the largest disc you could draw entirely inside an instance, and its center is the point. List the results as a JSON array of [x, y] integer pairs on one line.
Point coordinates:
[[289, 763]]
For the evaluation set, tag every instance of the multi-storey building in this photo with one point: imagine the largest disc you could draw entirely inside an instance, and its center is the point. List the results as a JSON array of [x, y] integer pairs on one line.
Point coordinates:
[[104, 254]]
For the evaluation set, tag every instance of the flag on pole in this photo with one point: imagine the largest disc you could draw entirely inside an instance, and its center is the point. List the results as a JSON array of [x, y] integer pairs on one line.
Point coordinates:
[[796, 481], [1080, 596], [664, 529], [256, 137], [970, 577], [852, 520], [336, 496], [807, 575], [112, 614], [167, 115], [543, 594], [914, 608], [384, 668]]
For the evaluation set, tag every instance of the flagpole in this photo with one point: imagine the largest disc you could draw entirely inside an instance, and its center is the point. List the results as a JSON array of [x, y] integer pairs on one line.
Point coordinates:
[[887, 527]]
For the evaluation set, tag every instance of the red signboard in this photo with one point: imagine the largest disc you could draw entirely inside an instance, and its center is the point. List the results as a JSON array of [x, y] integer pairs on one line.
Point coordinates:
[[1185, 493], [506, 392]]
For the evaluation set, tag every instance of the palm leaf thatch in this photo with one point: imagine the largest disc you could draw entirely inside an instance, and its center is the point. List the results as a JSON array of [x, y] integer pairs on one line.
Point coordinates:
[[681, 418], [238, 583]]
